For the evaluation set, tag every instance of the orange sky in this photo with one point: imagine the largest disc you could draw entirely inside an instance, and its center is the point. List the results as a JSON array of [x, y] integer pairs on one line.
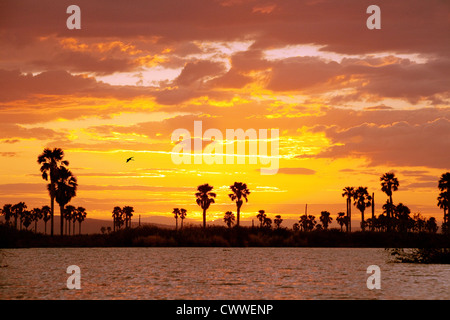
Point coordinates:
[[350, 103]]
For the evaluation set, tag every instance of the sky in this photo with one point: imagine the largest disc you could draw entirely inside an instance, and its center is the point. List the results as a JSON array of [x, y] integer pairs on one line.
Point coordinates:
[[350, 103]]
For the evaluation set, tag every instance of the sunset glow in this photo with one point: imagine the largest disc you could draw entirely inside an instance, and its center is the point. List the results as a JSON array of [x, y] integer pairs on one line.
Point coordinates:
[[350, 103]]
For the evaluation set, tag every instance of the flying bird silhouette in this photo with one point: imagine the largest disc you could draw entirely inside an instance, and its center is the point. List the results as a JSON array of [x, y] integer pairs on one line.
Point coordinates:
[[129, 159]]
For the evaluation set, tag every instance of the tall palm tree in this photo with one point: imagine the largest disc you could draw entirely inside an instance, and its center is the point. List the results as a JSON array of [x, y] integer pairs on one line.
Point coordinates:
[[7, 212], [17, 211], [326, 219], [362, 201], [349, 193], [204, 199], [46, 215], [261, 216], [117, 217], [128, 213], [176, 213], [239, 192], [389, 184], [50, 161], [229, 218], [444, 199], [36, 215], [66, 189], [183, 213], [81, 216]]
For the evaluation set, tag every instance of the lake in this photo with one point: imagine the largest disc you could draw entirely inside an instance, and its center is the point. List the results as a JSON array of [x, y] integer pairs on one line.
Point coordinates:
[[216, 273]]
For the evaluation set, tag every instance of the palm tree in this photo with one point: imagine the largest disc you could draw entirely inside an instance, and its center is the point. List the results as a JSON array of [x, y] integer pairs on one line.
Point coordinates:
[[307, 222], [117, 217], [389, 184], [51, 161], [444, 199], [183, 213], [349, 192], [26, 218], [261, 216], [342, 219], [267, 223], [240, 192], [277, 221], [66, 189], [404, 220], [69, 215], [431, 225], [80, 217], [36, 215], [229, 218], [362, 201], [128, 213], [295, 226], [7, 212], [204, 199], [325, 219], [17, 211], [46, 215], [176, 213]]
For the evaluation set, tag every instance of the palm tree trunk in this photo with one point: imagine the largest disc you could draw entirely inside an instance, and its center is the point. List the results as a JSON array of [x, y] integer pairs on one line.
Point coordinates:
[[363, 227], [35, 226], [373, 211], [204, 218], [238, 215], [45, 227], [79, 227], [52, 207], [61, 210], [73, 233], [176, 224]]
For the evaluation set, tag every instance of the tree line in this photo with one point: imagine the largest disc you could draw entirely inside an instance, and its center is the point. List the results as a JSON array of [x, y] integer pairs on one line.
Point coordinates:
[[62, 187]]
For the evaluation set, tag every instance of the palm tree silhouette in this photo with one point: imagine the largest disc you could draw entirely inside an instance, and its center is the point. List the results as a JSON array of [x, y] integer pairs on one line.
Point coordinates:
[[51, 161], [261, 216], [46, 215], [69, 213], [431, 225], [325, 219], [342, 219], [362, 201], [66, 189], [389, 183], [349, 192], [176, 213], [80, 217], [26, 218], [128, 213], [6, 211], [183, 213], [17, 211], [117, 217], [36, 215], [278, 221], [444, 199], [229, 218], [204, 199], [240, 192], [267, 222], [404, 220]]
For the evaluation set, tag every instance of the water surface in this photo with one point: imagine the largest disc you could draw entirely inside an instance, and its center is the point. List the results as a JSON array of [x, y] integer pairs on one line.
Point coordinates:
[[216, 273]]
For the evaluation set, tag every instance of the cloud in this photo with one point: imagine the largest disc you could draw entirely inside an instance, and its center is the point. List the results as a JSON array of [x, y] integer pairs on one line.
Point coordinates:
[[398, 144], [304, 171]]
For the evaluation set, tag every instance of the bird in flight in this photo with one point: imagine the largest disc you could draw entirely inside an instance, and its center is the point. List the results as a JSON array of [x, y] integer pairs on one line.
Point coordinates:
[[129, 159]]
